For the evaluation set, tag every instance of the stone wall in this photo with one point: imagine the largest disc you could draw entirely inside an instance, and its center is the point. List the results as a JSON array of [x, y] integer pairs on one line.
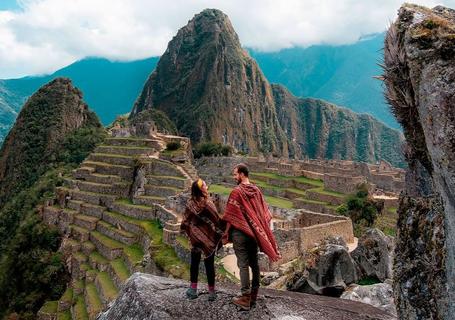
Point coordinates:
[[313, 235], [344, 184]]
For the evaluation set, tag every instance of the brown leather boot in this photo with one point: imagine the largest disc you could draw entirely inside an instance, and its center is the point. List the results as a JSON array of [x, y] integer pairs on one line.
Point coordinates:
[[243, 301], [253, 296]]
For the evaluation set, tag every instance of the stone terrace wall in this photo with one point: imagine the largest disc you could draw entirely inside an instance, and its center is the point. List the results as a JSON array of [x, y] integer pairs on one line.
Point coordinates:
[[219, 170], [310, 236], [344, 184]]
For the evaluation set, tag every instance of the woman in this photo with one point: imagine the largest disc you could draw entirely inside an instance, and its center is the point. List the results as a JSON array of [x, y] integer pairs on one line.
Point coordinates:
[[201, 223]]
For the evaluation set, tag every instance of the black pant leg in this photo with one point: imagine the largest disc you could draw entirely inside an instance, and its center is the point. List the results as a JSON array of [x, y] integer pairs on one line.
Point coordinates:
[[194, 266], [253, 262], [210, 269]]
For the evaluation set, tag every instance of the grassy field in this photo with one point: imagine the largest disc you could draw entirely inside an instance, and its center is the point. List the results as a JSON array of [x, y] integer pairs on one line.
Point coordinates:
[[387, 222]]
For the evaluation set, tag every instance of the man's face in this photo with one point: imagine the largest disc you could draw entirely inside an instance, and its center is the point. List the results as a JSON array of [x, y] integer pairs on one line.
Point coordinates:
[[237, 176]]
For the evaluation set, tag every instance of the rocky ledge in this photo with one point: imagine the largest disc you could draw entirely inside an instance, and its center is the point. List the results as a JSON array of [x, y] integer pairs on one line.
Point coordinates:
[[147, 296]]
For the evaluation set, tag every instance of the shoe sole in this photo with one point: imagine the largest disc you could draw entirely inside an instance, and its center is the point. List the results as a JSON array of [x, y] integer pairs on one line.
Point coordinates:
[[242, 307]]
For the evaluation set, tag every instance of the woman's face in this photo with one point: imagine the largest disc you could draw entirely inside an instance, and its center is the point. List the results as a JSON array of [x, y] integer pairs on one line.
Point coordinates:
[[204, 187]]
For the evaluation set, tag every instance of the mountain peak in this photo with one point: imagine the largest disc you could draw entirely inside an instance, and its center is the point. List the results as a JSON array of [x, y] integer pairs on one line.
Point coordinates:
[[213, 91]]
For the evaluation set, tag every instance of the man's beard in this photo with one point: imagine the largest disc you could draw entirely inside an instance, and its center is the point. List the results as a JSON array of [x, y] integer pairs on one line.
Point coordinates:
[[239, 181]]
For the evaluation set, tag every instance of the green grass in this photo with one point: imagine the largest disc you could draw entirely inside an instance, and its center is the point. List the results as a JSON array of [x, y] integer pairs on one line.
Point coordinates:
[[80, 311], [79, 285], [98, 258], [312, 201], [124, 147], [109, 242], [274, 201], [321, 190], [392, 210], [295, 190], [215, 188], [128, 202], [68, 295], [109, 289], [302, 179], [93, 297], [50, 307], [112, 155], [184, 242], [80, 256], [134, 253], [367, 281], [163, 254], [120, 269], [279, 202], [105, 164], [64, 315]]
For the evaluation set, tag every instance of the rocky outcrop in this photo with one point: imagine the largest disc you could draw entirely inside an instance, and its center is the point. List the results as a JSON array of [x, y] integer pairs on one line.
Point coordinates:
[[373, 255], [379, 295], [419, 76], [47, 117], [329, 270], [214, 91], [151, 297]]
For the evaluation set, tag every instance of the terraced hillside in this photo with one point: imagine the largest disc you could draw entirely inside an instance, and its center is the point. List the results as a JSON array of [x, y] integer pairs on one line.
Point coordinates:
[[290, 192], [113, 214]]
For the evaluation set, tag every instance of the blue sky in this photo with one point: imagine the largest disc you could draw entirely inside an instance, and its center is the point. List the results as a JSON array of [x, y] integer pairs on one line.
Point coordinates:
[[41, 36], [9, 5]]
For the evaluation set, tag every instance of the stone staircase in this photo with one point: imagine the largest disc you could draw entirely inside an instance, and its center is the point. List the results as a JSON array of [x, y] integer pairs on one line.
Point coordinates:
[[106, 230]]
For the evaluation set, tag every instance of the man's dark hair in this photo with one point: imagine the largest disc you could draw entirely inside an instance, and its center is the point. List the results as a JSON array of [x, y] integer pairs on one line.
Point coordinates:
[[242, 168]]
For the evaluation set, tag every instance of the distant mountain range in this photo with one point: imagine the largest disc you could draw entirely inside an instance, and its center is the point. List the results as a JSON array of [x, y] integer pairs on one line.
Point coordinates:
[[342, 75]]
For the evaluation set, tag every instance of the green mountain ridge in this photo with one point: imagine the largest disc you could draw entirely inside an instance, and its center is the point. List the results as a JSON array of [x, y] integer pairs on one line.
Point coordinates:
[[342, 75]]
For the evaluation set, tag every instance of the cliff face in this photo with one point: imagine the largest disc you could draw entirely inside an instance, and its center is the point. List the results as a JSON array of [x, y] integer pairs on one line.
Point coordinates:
[[323, 130], [53, 111], [214, 91], [419, 75], [150, 297]]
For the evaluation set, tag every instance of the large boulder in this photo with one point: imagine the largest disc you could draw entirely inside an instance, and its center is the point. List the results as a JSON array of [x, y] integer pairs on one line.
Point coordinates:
[[330, 269], [379, 295], [146, 296], [373, 255]]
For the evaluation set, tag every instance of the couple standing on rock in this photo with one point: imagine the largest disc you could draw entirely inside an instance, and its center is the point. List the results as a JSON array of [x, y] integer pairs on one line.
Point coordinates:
[[245, 223]]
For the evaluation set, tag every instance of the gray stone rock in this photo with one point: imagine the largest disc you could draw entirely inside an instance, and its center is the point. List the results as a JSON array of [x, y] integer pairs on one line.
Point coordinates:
[[333, 271], [146, 296], [373, 255], [379, 295]]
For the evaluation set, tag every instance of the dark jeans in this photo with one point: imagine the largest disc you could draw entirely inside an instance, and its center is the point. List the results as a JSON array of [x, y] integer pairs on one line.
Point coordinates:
[[246, 251], [209, 264]]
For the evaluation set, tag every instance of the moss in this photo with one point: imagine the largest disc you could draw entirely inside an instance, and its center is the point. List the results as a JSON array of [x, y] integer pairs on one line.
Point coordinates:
[[68, 295]]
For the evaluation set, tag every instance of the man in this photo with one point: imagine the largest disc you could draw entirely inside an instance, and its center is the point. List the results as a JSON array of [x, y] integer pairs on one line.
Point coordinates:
[[248, 227]]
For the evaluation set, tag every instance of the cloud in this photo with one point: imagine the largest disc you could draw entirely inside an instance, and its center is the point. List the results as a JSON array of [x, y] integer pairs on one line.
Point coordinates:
[[48, 34]]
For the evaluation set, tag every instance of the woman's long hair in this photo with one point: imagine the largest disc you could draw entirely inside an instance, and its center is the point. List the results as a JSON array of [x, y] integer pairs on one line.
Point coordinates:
[[196, 192]]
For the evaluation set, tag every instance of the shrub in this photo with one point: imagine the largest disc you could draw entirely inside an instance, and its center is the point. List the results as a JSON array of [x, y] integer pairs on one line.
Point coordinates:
[[173, 145], [362, 209], [209, 149]]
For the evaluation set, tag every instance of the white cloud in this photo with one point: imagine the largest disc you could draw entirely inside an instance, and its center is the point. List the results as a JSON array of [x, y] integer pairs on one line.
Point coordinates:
[[48, 34]]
